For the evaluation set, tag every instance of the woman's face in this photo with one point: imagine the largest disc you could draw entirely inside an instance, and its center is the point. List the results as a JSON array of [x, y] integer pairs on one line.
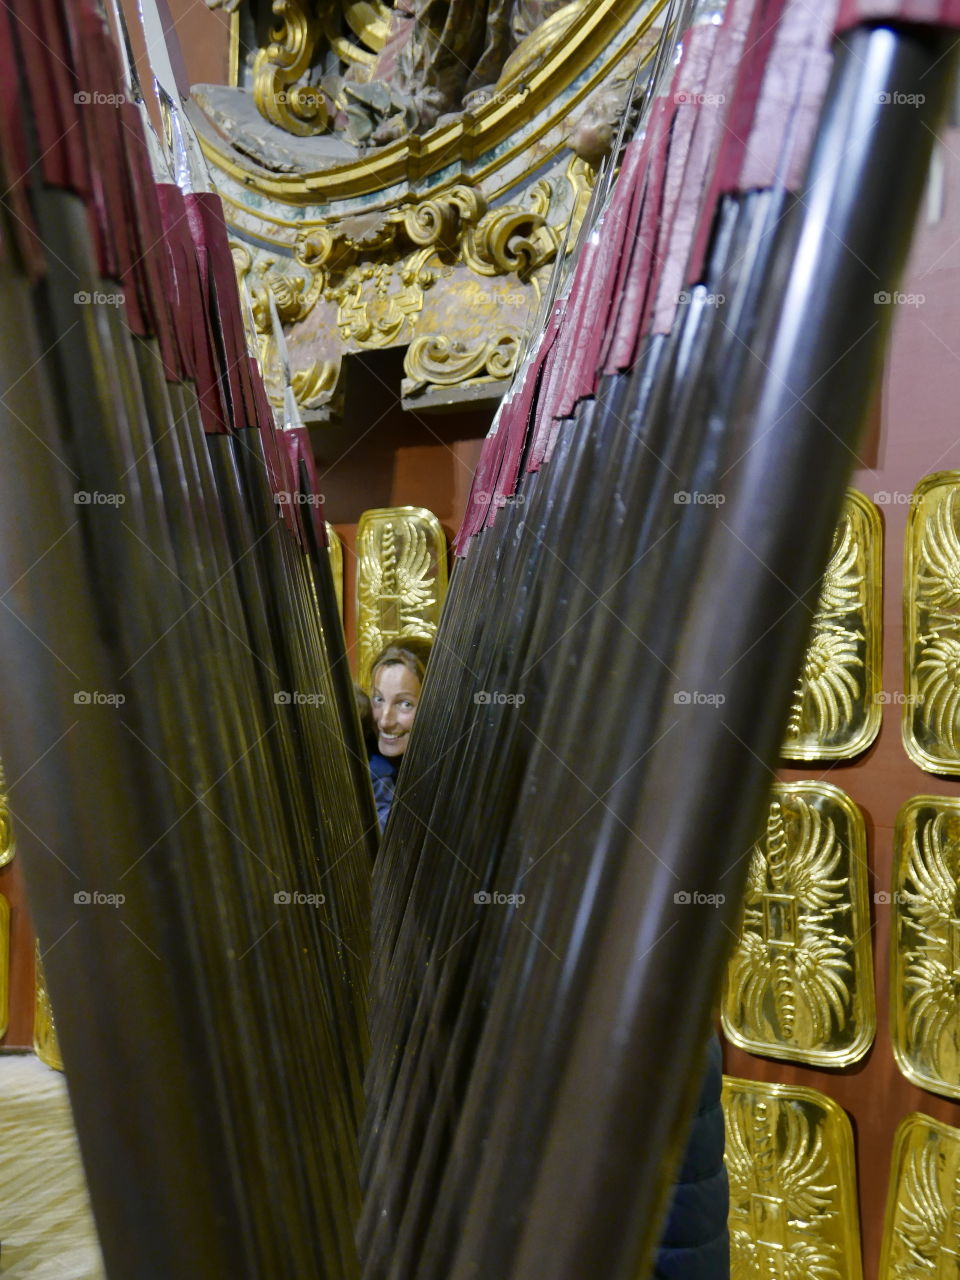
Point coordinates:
[[396, 692]]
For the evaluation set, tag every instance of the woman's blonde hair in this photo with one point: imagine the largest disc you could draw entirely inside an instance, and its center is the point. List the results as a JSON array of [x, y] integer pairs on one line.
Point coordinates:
[[411, 652]]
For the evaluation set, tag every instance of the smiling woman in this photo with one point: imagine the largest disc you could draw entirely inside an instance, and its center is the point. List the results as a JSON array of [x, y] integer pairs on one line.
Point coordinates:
[[396, 679]]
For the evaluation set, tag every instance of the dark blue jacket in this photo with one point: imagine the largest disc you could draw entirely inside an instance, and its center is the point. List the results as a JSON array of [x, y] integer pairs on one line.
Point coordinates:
[[383, 775], [695, 1245]]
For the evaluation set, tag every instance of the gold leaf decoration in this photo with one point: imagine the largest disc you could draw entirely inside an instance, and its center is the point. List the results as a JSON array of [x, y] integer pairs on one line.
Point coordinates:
[[925, 942], [45, 1043], [437, 359], [793, 1199], [301, 109], [335, 551], [921, 1236], [402, 578], [8, 843], [931, 711], [799, 984], [837, 705]]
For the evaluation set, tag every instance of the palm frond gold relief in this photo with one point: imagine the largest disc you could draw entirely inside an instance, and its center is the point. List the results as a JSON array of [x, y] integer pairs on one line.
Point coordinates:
[[925, 968], [931, 712], [799, 984], [921, 1237], [793, 1203], [402, 578], [836, 709]]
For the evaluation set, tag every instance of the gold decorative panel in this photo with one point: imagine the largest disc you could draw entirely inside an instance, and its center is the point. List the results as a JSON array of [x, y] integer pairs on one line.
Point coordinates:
[[921, 1235], [8, 844], [837, 706], [800, 981], [793, 1188], [931, 600], [45, 1043], [335, 551], [925, 942], [402, 578]]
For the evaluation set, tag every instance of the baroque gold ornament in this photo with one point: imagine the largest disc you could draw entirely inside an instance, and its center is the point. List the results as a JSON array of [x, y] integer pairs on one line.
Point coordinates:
[[799, 984], [45, 1043], [8, 844], [301, 109], [931, 712], [921, 1236], [402, 580], [837, 705], [335, 551], [793, 1189], [925, 944]]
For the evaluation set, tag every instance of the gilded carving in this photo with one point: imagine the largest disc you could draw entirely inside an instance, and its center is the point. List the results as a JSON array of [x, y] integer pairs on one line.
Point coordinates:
[[402, 578], [799, 984], [837, 705], [45, 1043], [925, 942], [512, 239], [375, 316], [438, 359], [8, 843], [931, 712], [301, 109], [793, 1196], [921, 1237], [335, 551]]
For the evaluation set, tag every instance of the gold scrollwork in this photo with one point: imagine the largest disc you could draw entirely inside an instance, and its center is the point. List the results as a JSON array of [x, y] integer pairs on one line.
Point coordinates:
[[931, 712], [793, 1189], [436, 358], [300, 109], [314, 383], [335, 551], [837, 705], [8, 843], [402, 578], [800, 982], [510, 239], [45, 1043], [375, 317], [925, 944], [921, 1234]]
